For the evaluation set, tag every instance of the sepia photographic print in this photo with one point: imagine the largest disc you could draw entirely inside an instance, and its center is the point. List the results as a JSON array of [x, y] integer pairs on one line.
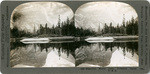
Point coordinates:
[[51, 34]]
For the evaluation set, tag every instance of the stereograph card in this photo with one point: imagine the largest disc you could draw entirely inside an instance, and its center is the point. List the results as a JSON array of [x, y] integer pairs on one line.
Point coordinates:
[[63, 37]]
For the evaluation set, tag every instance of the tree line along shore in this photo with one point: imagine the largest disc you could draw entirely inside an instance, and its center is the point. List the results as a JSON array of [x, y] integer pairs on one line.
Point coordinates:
[[68, 29]]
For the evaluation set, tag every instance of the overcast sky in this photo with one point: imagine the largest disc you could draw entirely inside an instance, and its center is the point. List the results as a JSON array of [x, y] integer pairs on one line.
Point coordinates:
[[36, 13], [93, 14]]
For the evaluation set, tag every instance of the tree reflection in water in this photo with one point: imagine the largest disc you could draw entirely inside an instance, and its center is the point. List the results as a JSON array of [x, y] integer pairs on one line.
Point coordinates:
[[83, 52]]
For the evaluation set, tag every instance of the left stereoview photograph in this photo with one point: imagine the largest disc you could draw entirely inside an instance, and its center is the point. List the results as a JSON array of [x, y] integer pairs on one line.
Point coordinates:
[[51, 34], [38, 38]]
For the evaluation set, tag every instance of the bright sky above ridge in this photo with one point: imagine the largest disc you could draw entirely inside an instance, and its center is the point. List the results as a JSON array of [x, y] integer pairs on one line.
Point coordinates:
[[89, 15], [36, 13], [93, 14]]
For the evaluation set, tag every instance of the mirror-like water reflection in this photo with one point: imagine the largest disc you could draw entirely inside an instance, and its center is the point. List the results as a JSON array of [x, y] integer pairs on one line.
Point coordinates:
[[74, 54]]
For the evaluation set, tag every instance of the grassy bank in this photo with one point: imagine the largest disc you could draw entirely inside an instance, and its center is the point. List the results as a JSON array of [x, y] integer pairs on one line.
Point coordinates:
[[125, 37]]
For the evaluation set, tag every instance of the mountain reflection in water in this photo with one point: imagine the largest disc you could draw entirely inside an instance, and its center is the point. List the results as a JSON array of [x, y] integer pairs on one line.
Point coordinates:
[[74, 54]]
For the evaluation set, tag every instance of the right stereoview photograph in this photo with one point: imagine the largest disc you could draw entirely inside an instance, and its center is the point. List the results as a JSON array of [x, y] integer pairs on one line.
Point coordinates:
[[111, 31]]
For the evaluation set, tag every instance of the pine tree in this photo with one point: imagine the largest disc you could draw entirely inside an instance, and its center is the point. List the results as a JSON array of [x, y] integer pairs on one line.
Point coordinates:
[[105, 29], [124, 25], [99, 30], [46, 28], [110, 28], [118, 29]]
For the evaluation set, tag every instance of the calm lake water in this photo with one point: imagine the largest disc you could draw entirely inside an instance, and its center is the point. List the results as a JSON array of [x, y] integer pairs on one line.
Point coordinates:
[[75, 54]]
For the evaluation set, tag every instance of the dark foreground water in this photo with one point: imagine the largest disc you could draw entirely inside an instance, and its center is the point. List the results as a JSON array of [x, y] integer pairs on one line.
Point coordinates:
[[74, 54]]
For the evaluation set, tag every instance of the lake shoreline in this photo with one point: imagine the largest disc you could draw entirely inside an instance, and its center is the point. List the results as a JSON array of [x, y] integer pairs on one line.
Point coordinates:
[[71, 38]]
